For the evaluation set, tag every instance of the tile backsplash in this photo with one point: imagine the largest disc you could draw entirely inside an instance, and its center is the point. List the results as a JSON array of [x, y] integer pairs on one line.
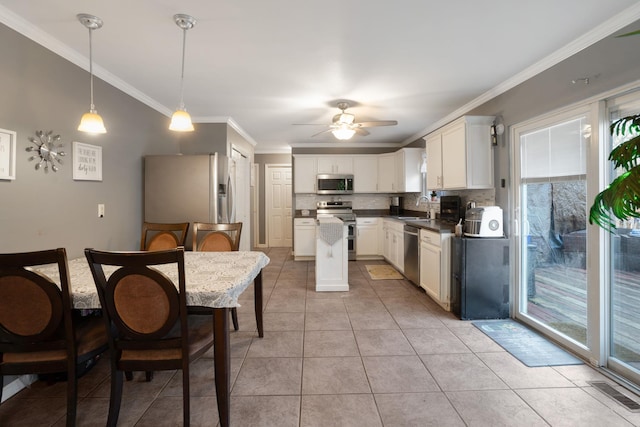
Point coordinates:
[[359, 201], [382, 201]]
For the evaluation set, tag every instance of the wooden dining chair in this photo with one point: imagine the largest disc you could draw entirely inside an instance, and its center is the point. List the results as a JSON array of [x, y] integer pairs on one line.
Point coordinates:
[[148, 319], [39, 332], [216, 237], [208, 237], [159, 236]]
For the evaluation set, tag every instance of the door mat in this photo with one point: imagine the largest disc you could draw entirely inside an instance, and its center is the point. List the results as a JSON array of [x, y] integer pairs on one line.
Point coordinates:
[[383, 272], [528, 346]]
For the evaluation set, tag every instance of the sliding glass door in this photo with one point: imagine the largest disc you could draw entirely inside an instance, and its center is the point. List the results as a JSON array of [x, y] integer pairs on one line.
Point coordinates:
[[551, 209], [624, 261]]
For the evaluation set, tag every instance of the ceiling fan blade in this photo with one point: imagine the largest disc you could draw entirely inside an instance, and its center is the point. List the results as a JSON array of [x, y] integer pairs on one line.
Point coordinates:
[[361, 132], [377, 123], [320, 133]]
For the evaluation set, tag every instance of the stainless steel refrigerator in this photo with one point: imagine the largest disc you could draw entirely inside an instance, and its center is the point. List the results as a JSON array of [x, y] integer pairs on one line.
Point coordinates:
[[189, 188]]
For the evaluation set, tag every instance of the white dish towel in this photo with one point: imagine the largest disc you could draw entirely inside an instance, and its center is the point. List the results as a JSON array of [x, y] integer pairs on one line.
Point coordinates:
[[330, 230]]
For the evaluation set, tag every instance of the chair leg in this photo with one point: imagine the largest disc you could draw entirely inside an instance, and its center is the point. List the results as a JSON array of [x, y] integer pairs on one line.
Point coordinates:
[[234, 318], [186, 413], [128, 375], [115, 398], [72, 396], [149, 375]]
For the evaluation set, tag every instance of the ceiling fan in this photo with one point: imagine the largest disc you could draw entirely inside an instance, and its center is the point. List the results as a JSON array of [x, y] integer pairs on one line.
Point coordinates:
[[344, 124]]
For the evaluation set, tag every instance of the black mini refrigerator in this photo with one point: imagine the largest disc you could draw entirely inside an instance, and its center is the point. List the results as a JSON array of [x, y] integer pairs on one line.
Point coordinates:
[[480, 277]]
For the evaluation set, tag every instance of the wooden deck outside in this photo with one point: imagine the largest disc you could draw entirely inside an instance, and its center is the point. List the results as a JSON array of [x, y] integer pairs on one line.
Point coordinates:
[[560, 301]]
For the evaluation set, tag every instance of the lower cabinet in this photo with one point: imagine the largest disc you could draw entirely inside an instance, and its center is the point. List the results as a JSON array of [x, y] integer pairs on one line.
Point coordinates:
[[304, 238], [393, 250], [435, 266], [368, 237]]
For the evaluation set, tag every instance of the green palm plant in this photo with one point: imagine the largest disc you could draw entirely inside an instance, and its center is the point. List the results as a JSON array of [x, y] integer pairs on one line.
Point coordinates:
[[621, 199]]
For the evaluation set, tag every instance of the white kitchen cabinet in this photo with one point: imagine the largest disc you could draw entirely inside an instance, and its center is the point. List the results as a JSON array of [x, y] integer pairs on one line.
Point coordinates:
[[435, 267], [434, 161], [394, 243], [464, 157], [304, 174], [387, 173], [386, 240], [408, 162], [335, 164], [304, 238], [369, 237], [365, 173]]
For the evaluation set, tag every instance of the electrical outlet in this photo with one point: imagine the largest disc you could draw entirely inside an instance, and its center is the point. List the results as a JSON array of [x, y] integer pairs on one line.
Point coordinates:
[[100, 210]]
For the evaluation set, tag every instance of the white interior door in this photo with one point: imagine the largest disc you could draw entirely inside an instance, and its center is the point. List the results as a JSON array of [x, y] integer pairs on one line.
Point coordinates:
[[278, 204]]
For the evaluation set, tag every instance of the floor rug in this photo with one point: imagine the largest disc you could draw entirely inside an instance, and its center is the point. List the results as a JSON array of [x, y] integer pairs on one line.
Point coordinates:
[[528, 346], [383, 272]]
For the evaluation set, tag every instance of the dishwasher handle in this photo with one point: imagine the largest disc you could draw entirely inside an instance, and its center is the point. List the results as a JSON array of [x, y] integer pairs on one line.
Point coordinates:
[[410, 230]]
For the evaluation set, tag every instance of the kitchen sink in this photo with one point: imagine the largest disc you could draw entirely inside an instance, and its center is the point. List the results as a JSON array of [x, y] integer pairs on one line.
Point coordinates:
[[411, 218]]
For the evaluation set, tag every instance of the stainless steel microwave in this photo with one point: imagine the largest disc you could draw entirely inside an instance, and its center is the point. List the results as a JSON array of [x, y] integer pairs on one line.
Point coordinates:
[[334, 184]]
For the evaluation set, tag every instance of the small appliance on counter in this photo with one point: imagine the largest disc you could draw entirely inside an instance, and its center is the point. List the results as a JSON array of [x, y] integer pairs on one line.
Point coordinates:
[[450, 209], [483, 222], [395, 207]]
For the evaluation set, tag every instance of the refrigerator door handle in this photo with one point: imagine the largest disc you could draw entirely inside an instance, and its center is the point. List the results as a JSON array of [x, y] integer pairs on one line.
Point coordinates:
[[231, 205]]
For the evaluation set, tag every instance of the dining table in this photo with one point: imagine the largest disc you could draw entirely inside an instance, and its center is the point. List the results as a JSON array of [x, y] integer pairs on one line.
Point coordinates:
[[213, 279]]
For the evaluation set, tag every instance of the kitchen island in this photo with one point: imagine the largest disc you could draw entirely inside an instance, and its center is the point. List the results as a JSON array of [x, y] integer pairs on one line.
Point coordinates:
[[332, 262]]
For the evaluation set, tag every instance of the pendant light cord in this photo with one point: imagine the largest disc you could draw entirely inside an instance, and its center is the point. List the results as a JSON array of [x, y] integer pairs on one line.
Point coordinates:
[[184, 44], [93, 107]]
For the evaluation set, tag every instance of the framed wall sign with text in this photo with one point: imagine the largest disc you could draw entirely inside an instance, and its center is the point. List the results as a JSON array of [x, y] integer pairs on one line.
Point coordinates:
[[7, 154], [87, 162]]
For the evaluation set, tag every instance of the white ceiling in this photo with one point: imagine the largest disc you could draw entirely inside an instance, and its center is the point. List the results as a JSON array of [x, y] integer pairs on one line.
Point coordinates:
[[269, 64]]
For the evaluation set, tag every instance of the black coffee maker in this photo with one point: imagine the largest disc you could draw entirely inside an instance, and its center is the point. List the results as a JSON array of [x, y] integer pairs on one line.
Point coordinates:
[[395, 207]]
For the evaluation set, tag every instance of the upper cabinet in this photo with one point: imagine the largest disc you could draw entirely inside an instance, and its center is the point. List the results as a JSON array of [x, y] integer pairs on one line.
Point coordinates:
[[459, 155], [335, 164], [387, 173], [408, 163], [305, 169], [397, 172], [365, 173]]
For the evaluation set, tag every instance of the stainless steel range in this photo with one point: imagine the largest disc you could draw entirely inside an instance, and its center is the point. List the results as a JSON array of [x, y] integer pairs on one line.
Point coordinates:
[[344, 211]]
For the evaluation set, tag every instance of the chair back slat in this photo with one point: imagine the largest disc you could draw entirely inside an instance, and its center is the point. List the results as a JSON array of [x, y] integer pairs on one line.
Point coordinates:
[[211, 237], [163, 236], [32, 309]]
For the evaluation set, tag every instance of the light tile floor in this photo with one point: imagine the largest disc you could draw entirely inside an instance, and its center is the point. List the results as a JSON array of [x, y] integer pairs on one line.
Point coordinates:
[[383, 354]]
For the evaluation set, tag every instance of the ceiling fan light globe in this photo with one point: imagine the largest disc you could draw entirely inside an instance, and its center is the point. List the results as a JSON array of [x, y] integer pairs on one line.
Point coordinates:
[[181, 122], [91, 122], [343, 133]]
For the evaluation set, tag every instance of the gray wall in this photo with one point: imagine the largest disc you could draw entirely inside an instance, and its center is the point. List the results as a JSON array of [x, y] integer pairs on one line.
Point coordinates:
[[42, 91]]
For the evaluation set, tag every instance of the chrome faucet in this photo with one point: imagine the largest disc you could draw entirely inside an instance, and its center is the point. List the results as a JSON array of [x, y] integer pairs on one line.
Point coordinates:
[[422, 196]]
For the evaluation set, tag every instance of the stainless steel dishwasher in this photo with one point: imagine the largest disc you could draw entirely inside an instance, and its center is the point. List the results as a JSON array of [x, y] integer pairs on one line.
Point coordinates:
[[412, 254]]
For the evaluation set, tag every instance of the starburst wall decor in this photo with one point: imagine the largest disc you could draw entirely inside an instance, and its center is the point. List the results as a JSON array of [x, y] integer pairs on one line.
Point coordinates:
[[46, 151]]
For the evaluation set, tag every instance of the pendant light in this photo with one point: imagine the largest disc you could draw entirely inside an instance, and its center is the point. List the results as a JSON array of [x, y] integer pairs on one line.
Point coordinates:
[[181, 120], [91, 122]]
